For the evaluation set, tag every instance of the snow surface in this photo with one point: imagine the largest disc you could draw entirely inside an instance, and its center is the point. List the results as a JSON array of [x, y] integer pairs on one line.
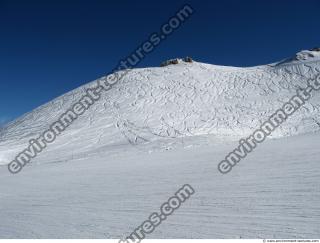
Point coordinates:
[[160, 128]]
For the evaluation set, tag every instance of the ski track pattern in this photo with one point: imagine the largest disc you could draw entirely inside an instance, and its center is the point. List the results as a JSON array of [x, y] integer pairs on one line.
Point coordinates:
[[177, 101]]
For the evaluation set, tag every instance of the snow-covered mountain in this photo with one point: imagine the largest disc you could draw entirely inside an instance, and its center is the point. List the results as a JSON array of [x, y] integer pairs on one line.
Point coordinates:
[[156, 130], [176, 101]]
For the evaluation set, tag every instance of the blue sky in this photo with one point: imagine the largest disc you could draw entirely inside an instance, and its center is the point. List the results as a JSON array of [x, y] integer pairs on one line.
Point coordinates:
[[51, 47]]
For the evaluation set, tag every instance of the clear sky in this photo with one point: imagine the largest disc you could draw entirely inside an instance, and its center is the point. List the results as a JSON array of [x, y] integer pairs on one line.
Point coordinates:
[[51, 47]]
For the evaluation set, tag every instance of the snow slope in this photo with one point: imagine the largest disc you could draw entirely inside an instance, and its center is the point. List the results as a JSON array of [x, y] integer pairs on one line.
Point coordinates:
[[160, 128], [176, 101]]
